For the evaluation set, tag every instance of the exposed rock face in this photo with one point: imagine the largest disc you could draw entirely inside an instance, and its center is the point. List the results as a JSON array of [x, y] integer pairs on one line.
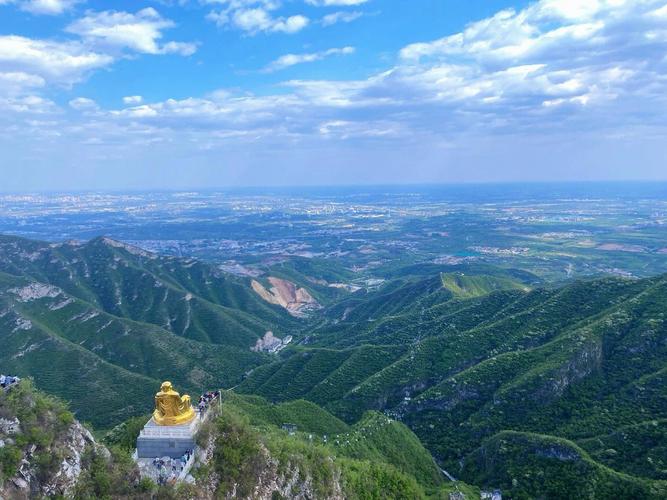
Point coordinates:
[[297, 301], [78, 438], [9, 426], [562, 453], [27, 484], [272, 482], [28, 293], [271, 343], [128, 248], [581, 364], [45, 445], [35, 291], [290, 483]]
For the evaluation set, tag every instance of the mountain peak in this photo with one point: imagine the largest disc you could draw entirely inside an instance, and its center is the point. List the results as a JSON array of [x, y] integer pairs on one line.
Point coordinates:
[[132, 249]]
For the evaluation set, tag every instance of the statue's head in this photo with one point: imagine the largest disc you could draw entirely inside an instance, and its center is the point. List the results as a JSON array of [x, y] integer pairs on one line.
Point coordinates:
[[166, 386]]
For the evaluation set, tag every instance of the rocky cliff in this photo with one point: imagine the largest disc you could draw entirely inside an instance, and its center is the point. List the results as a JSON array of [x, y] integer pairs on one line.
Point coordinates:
[[41, 445]]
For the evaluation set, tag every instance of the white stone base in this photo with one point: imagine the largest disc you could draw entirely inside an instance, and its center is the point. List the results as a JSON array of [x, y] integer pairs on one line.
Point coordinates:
[[167, 440]]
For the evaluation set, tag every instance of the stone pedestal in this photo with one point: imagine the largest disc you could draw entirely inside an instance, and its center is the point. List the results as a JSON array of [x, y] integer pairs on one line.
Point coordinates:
[[166, 440]]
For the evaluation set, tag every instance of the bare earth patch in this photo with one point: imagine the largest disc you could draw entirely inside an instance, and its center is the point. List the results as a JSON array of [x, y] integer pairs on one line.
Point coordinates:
[[297, 301]]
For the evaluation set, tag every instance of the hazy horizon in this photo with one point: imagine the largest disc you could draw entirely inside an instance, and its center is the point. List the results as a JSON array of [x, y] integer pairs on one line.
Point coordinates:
[[304, 188]]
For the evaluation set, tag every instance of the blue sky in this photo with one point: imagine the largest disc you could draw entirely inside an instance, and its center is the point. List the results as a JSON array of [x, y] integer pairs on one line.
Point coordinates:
[[198, 93]]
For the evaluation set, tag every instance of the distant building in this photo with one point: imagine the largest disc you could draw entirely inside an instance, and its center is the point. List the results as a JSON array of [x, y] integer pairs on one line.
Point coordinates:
[[492, 495], [289, 428]]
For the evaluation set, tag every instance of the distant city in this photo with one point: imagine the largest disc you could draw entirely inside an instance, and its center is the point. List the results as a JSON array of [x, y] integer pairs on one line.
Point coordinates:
[[557, 231]]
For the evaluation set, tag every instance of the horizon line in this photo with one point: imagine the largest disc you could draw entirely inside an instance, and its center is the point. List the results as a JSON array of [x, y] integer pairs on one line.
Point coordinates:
[[224, 188]]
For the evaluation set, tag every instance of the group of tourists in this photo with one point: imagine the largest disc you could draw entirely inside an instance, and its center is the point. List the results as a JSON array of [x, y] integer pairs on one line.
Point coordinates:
[[206, 399], [168, 469], [6, 381]]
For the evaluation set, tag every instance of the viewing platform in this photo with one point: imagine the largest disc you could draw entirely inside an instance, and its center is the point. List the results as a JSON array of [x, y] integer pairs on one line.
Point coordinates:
[[167, 441], [166, 452]]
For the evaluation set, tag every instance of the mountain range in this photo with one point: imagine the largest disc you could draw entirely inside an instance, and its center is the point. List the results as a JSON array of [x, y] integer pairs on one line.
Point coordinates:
[[101, 323], [546, 390]]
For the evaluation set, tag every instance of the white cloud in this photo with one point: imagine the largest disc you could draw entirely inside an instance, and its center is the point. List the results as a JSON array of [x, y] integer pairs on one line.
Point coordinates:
[[16, 82], [30, 104], [83, 104], [542, 72], [344, 129], [255, 20], [180, 48], [288, 60], [335, 3], [547, 66], [243, 4], [341, 17], [46, 7], [133, 99], [254, 16], [27, 64], [140, 32], [543, 29], [57, 62], [551, 54]]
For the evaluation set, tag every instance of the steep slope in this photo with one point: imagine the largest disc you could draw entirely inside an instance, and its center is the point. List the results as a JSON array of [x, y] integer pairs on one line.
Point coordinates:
[[600, 374], [104, 364], [636, 449], [186, 297], [432, 340], [466, 286], [525, 464], [585, 362], [324, 458], [45, 452], [297, 301], [324, 279], [101, 323], [43, 447]]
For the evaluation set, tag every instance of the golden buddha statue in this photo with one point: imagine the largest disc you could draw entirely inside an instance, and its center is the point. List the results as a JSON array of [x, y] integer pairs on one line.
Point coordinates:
[[171, 408]]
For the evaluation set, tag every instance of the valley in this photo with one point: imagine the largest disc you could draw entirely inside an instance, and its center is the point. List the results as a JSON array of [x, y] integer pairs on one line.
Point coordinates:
[[521, 363]]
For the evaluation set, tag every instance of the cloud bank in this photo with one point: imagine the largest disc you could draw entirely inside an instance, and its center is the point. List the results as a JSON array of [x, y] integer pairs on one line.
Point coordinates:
[[553, 70]]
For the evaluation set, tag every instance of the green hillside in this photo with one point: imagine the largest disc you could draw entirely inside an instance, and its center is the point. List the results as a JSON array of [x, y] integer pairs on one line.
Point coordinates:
[[374, 438], [375, 458], [523, 464], [466, 286], [486, 368], [637, 449], [56, 338], [315, 275], [585, 362], [307, 416], [44, 422], [100, 324], [247, 449], [186, 297], [405, 354]]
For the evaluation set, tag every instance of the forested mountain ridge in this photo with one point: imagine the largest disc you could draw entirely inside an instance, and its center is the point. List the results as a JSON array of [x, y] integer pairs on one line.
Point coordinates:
[[535, 389], [434, 336], [101, 323], [129, 282], [583, 363], [45, 452]]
